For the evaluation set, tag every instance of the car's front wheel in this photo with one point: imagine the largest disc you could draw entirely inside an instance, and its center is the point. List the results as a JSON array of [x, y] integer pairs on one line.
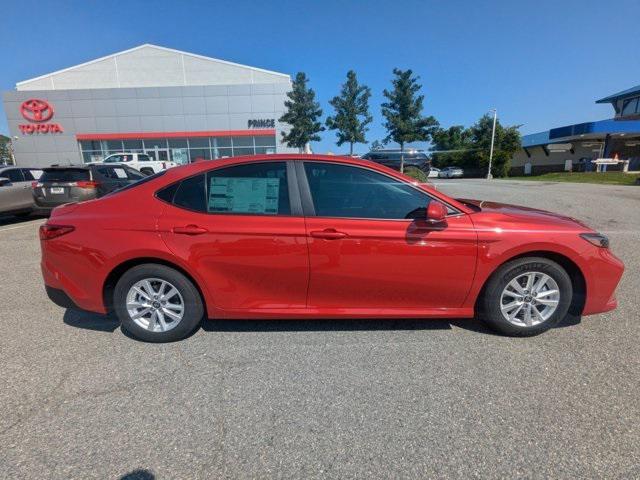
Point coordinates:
[[157, 303], [526, 297]]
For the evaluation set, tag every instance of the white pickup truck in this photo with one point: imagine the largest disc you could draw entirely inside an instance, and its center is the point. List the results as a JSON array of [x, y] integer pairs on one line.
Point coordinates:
[[140, 161]]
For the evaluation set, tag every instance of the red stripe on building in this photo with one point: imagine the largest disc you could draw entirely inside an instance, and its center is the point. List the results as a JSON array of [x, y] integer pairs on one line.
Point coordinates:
[[137, 135]]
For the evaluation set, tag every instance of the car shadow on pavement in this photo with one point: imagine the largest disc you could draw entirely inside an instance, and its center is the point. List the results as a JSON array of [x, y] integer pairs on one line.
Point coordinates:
[[110, 323], [8, 220], [90, 320]]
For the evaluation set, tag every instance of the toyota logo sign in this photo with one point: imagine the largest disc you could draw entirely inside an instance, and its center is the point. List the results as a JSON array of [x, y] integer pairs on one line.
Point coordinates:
[[36, 110]]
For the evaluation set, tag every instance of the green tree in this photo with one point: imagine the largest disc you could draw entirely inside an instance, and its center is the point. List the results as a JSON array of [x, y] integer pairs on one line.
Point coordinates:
[[403, 112], [507, 143], [451, 146], [377, 145], [5, 150], [303, 113], [352, 112]]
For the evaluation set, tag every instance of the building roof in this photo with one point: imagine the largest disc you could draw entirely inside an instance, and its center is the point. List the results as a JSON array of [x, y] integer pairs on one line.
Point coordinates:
[[582, 131], [624, 93], [151, 66]]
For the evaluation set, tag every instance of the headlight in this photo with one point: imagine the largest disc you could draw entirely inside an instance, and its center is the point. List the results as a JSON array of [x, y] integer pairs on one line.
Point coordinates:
[[596, 239]]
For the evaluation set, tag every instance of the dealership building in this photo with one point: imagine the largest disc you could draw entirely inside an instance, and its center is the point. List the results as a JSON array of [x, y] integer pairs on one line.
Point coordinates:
[[173, 105], [576, 146]]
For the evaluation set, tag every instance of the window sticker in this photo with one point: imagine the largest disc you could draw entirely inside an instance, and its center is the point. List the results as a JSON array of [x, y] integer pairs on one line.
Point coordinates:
[[120, 172], [244, 195]]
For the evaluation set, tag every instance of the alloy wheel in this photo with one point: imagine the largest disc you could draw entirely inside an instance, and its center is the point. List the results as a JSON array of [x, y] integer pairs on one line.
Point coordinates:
[[529, 299], [155, 305]]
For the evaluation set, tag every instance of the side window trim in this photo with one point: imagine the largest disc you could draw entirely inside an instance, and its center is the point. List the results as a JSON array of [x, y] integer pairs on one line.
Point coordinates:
[[307, 199], [305, 191]]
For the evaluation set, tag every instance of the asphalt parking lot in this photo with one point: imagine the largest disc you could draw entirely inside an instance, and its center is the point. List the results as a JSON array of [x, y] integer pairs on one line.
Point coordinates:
[[326, 399]]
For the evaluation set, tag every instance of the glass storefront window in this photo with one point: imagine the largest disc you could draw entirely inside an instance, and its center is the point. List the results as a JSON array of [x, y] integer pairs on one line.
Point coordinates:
[[224, 152], [152, 144], [181, 150], [113, 145], [90, 145], [222, 141], [132, 145], [242, 151], [196, 154], [265, 141], [89, 156], [178, 143], [242, 141], [199, 142], [265, 150]]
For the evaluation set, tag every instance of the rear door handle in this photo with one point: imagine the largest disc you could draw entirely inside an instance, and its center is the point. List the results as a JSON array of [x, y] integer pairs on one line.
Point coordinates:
[[189, 230], [328, 234]]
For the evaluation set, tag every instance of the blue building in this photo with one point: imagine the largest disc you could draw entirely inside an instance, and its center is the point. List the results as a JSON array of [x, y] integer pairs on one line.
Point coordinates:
[[580, 143]]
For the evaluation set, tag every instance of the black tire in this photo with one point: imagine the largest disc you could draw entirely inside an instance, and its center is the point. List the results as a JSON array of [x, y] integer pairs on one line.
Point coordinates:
[[489, 306], [193, 307], [146, 171]]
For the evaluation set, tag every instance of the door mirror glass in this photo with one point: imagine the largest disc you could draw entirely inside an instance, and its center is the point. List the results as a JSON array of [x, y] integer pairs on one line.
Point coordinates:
[[4, 181], [436, 212]]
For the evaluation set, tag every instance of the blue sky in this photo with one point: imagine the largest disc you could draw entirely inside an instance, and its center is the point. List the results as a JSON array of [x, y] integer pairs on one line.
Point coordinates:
[[540, 63]]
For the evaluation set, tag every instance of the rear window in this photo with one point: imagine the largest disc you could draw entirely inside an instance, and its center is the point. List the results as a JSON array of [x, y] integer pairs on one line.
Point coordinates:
[[65, 175], [142, 181]]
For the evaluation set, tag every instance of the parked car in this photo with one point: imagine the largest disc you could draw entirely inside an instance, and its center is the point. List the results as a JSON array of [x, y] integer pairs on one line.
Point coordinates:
[[434, 172], [15, 190], [300, 236], [142, 162], [75, 183], [391, 158], [451, 172]]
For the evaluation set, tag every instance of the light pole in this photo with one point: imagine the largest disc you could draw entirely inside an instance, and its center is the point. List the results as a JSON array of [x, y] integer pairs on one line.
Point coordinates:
[[493, 137]]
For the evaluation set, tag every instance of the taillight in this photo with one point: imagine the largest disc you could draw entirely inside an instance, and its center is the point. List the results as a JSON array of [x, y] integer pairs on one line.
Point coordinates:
[[87, 184], [48, 231], [35, 184]]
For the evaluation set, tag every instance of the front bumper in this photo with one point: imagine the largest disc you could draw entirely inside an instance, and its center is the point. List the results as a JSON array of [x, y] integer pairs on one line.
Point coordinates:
[[605, 272]]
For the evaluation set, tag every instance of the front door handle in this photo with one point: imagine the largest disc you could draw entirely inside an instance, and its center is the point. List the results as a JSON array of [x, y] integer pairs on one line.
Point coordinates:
[[189, 230], [328, 234]]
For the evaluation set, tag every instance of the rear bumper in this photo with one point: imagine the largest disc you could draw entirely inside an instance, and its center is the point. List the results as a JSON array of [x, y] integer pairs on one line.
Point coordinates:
[[65, 292], [59, 297]]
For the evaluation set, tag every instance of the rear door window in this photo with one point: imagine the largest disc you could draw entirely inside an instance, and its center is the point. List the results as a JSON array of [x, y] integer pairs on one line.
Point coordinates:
[[248, 189], [254, 188], [65, 175], [14, 175]]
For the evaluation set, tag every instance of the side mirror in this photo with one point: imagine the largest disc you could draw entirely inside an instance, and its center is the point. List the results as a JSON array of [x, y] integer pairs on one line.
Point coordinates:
[[4, 181], [436, 212]]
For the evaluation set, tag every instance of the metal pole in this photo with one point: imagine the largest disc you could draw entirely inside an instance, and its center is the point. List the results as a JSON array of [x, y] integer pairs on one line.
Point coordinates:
[[493, 137]]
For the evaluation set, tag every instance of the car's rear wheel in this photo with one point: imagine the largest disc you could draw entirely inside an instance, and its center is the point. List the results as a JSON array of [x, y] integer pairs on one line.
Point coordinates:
[[526, 297], [157, 303]]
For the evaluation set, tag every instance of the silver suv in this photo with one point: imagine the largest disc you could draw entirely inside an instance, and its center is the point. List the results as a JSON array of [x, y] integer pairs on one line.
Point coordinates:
[[15, 189]]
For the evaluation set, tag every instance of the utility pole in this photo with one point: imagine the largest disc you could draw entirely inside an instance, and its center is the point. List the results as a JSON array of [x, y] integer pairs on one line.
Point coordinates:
[[493, 137]]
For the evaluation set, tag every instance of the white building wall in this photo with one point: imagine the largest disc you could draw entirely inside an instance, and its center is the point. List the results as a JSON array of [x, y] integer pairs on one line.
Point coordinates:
[[152, 66]]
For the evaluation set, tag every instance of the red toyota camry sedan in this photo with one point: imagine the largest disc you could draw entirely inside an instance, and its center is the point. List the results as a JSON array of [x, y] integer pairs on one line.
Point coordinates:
[[310, 236]]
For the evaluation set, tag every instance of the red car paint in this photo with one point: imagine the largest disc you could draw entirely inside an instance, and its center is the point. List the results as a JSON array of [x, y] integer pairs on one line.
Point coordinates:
[[251, 266]]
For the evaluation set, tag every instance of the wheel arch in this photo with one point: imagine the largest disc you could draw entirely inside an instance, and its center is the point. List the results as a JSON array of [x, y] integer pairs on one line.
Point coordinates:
[[578, 281], [119, 270]]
